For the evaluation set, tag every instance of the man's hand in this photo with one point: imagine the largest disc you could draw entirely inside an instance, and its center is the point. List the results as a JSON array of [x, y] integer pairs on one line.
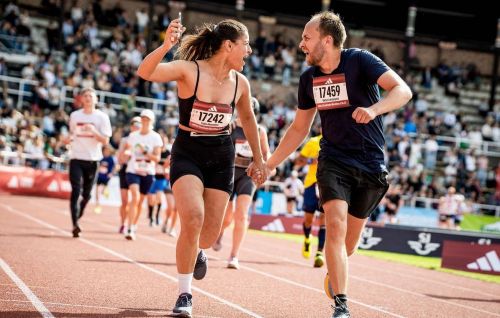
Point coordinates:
[[258, 171], [91, 129], [363, 115]]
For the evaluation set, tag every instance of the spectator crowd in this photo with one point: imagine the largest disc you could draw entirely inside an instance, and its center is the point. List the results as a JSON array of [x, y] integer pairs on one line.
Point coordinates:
[[102, 49]]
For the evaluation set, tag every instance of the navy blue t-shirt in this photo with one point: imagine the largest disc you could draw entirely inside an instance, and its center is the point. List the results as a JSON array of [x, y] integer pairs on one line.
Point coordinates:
[[106, 166], [353, 84]]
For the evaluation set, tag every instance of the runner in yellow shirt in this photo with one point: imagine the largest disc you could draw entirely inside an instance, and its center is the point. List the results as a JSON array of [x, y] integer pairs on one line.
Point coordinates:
[[309, 155]]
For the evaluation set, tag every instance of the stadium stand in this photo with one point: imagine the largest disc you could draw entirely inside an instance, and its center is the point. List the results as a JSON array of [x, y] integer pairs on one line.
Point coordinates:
[[445, 136]]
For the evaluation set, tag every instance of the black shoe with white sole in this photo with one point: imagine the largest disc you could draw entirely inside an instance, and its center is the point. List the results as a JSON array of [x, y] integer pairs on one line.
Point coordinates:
[[183, 306]]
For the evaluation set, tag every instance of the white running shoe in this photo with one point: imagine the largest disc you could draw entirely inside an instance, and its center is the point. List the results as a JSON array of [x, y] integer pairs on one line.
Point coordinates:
[[233, 263], [131, 236]]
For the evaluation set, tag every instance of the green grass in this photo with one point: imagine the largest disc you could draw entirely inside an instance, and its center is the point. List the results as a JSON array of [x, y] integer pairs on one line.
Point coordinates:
[[473, 222], [432, 263]]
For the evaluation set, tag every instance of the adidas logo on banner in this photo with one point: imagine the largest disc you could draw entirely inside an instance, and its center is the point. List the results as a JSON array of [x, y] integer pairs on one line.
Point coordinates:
[[329, 81], [212, 109], [486, 263], [13, 183], [274, 226]]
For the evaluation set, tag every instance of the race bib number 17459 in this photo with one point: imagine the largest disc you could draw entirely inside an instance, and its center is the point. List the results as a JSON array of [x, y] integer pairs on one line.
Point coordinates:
[[330, 92]]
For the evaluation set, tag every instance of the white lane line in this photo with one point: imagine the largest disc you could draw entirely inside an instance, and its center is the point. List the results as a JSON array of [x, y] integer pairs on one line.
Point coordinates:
[[380, 284], [105, 307], [252, 270], [308, 266], [413, 277], [318, 290], [25, 289], [125, 258]]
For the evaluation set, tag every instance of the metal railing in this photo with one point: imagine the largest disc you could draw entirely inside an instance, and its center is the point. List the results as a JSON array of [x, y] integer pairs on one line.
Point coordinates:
[[23, 90], [488, 148], [15, 44], [14, 158], [429, 202]]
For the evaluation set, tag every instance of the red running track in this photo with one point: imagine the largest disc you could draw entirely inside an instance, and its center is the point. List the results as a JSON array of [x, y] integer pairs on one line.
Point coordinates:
[[45, 272]]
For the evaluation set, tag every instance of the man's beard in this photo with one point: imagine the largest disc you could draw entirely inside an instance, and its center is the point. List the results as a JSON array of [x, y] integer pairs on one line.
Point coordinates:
[[316, 55]]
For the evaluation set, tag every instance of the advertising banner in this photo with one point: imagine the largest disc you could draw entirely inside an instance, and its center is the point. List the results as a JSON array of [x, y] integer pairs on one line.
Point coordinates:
[[29, 181], [479, 258], [398, 239]]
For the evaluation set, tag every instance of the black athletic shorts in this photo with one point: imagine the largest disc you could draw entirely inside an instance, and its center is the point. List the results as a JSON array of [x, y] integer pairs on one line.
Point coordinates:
[[210, 158], [243, 184], [361, 190], [122, 175]]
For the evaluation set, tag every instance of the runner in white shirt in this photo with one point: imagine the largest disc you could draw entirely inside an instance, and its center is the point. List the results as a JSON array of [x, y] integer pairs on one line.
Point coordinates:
[[90, 129], [293, 188], [135, 125], [450, 206], [144, 148]]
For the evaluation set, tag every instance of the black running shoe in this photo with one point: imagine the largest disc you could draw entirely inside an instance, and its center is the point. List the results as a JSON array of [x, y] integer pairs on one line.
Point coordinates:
[[200, 268], [341, 311], [76, 231], [183, 306]]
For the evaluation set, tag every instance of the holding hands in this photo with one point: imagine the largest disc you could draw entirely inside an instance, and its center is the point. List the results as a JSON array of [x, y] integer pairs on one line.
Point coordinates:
[[259, 172]]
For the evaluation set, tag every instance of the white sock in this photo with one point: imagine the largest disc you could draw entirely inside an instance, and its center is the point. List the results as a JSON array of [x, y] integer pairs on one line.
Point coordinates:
[[185, 283]]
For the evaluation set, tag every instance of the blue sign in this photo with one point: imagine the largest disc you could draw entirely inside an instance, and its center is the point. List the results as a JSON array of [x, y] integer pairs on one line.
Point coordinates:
[[264, 202]]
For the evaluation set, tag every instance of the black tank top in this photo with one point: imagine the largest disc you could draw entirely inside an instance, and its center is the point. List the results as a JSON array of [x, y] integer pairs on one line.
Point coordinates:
[[203, 117], [243, 152]]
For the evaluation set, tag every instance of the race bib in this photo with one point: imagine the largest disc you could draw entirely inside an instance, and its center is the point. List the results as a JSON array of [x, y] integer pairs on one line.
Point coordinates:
[[242, 148], [330, 92], [141, 167], [82, 130], [211, 117]]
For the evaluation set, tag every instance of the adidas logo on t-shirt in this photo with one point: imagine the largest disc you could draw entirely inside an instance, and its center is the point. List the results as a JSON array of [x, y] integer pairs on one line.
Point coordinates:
[[212, 109], [489, 262], [329, 81]]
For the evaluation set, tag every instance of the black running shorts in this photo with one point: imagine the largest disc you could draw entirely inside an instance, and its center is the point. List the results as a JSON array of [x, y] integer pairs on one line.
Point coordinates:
[[361, 190], [122, 175], [210, 158], [243, 184]]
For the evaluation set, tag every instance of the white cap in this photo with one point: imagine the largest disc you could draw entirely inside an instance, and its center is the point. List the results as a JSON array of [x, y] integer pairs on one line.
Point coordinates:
[[136, 121], [149, 114], [295, 173]]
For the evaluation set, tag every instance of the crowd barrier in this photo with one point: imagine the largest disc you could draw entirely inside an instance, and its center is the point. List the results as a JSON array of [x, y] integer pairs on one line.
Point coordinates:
[[479, 258], [390, 238], [35, 182]]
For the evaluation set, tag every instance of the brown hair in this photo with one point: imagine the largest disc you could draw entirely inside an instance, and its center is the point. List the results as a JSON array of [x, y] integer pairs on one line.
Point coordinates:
[[331, 24], [209, 38]]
